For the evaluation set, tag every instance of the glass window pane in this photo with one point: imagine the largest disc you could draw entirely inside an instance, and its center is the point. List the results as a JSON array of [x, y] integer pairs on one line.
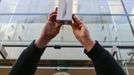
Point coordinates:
[[45, 6], [109, 28], [100, 6], [129, 4], [132, 20]]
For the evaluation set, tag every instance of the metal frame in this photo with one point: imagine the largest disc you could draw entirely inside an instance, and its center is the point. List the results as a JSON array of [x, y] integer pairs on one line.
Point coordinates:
[[131, 26], [3, 51], [132, 55], [90, 14], [72, 46], [53, 63]]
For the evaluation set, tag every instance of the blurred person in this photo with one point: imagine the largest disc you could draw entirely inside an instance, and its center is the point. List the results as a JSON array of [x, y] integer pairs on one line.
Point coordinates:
[[28, 61]]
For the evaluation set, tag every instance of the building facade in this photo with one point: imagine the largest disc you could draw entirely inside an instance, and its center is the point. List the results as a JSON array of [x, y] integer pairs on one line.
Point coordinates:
[[111, 22]]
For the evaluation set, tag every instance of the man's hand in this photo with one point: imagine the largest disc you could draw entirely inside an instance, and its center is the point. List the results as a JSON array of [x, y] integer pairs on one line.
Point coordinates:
[[50, 30], [81, 33]]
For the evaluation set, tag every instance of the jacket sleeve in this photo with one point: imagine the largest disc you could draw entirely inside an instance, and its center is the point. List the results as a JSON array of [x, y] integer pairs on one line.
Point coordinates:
[[104, 62], [28, 61]]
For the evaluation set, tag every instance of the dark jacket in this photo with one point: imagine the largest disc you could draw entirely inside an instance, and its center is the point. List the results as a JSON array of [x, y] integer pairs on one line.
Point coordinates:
[[104, 63]]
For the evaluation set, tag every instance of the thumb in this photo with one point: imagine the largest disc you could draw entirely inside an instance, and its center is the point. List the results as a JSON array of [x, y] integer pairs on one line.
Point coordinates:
[[73, 25], [59, 24]]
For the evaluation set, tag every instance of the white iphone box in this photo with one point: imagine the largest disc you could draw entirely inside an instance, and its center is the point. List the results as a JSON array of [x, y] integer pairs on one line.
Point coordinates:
[[65, 11]]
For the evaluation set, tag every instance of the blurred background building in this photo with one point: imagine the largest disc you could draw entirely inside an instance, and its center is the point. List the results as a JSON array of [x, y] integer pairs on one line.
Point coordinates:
[[111, 22]]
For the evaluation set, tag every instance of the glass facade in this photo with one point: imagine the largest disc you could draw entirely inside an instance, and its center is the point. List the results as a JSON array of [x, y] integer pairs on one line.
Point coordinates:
[[111, 22]]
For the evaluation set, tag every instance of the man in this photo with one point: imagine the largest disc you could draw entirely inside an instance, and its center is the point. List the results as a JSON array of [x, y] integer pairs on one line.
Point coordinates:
[[104, 63]]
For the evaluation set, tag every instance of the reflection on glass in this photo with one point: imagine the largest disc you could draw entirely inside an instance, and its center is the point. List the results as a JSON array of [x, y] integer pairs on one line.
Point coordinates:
[[98, 15], [21, 21], [103, 28], [45, 6], [99, 7], [129, 4], [132, 20]]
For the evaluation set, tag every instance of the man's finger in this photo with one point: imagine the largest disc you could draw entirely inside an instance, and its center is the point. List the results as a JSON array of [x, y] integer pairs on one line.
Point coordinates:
[[59, 25], [73, 25], [52, 17], [54, 11], [77, 20]]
